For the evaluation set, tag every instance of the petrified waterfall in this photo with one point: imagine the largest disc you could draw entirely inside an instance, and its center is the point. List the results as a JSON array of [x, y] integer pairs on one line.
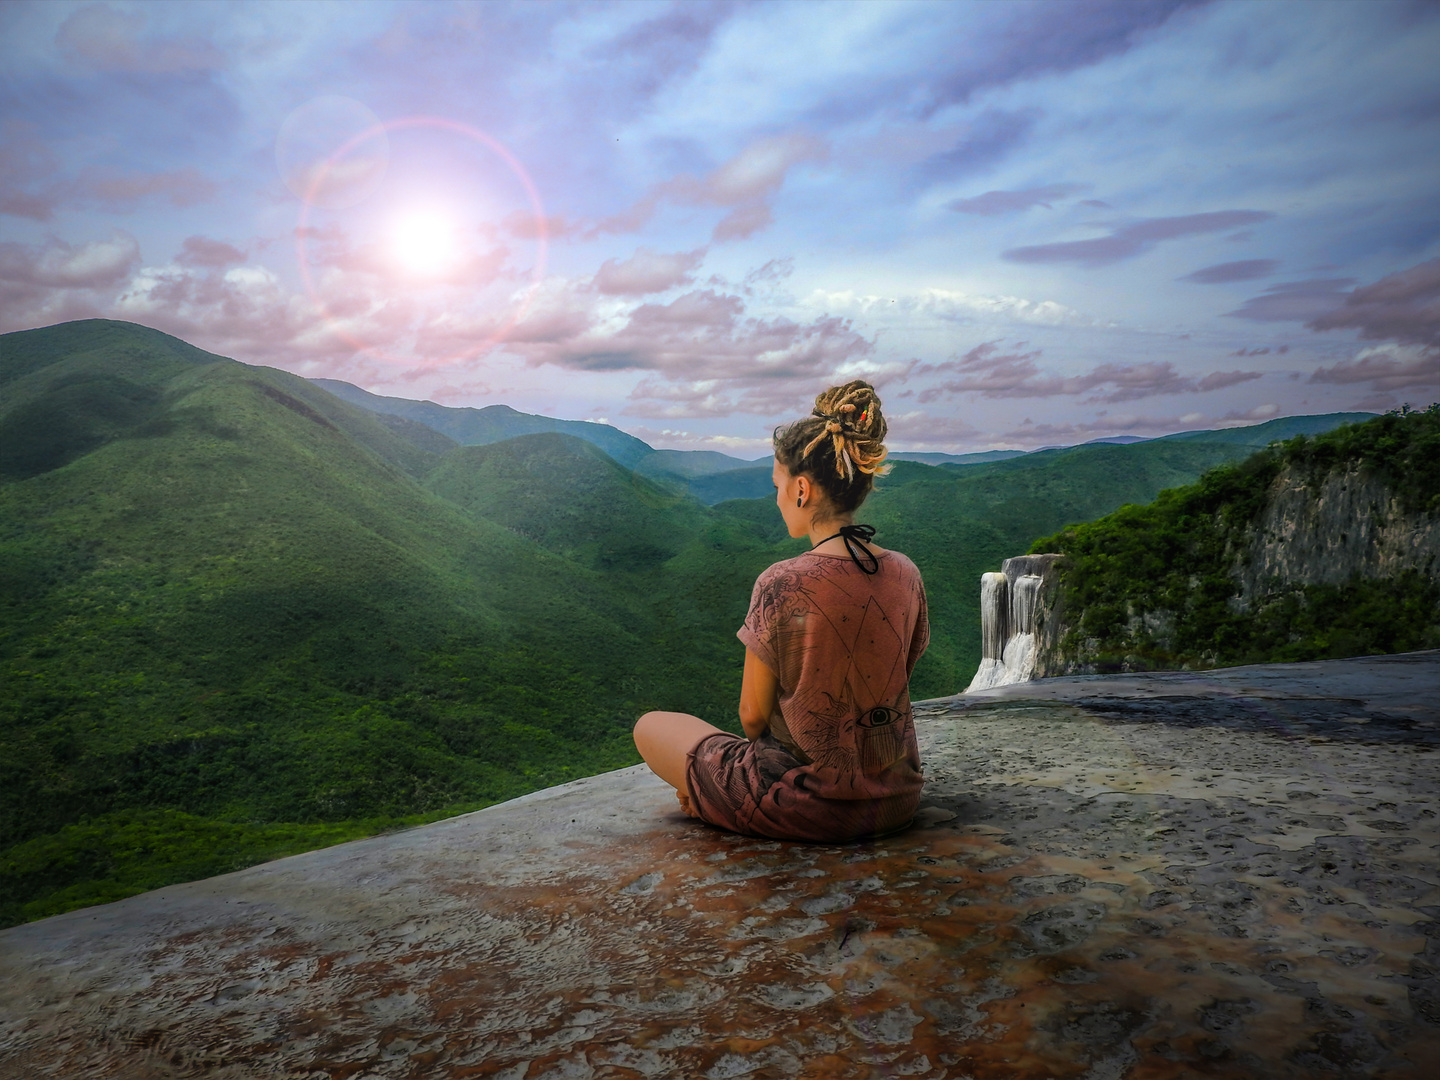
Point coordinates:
[[1010, 606]]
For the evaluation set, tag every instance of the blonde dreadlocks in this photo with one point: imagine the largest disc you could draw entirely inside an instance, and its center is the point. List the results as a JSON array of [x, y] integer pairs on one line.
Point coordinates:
[[840, 445]]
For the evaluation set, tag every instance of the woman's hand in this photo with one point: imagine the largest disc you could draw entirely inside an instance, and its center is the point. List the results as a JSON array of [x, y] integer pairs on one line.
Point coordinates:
[[759, 696]]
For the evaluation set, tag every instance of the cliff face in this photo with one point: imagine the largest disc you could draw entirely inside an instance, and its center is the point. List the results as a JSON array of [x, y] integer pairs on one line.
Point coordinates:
[[1313, 549], [1348, 524]]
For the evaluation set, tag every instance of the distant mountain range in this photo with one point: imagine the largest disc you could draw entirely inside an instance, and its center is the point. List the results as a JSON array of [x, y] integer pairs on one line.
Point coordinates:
[[713, 477]]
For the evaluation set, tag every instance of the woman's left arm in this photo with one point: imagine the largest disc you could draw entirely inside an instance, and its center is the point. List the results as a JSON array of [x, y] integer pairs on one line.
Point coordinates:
[[759, 696]]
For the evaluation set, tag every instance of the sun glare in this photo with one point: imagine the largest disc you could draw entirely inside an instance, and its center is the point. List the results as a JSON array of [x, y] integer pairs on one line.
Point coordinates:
[[425, 243]]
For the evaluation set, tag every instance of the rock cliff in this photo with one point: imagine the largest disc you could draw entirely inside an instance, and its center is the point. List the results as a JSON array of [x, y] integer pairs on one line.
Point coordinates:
[[1316, 548], [1328, 530]]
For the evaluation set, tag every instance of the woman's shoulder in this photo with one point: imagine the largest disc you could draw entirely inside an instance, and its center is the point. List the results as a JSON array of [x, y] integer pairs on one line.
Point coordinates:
[[903, 562]]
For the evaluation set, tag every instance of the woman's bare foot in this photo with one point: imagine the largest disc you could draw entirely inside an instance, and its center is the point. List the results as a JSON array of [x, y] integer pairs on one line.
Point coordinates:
[[685, 804]]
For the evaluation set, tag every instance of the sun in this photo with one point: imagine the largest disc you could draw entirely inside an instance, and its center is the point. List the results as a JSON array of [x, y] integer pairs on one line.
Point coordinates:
[[425, 242]]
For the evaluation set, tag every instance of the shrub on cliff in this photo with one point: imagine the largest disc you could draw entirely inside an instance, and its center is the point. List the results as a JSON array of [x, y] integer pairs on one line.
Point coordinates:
[[1155, 586]]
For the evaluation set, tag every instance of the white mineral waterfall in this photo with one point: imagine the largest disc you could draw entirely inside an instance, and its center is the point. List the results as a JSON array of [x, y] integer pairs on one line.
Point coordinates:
[[994, 630], [1008, 603]]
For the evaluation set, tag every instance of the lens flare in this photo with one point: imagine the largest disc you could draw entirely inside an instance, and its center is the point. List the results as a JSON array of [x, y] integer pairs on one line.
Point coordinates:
[[425, 243]]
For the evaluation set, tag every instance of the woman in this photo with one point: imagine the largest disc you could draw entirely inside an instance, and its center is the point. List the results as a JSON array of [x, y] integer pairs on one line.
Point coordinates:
[[830, 641]]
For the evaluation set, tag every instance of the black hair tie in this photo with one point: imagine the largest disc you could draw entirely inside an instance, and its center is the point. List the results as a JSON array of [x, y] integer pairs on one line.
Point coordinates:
[[855, 536]]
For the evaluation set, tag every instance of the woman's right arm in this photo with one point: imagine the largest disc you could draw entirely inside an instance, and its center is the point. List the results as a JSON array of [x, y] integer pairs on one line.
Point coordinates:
[[759, 696]]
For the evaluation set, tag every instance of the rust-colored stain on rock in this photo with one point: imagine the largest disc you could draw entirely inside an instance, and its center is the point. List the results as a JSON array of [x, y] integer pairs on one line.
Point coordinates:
[[1231, 875]]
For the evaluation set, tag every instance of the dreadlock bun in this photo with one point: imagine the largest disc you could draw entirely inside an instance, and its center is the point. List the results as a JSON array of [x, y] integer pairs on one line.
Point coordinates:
[[840, 445]]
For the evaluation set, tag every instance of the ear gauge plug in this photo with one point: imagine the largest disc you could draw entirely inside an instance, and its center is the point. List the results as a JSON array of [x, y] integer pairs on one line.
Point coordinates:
[[799, 502]]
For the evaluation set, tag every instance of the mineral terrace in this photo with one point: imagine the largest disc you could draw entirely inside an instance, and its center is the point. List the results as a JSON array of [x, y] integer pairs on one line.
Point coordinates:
[[1229, 874]]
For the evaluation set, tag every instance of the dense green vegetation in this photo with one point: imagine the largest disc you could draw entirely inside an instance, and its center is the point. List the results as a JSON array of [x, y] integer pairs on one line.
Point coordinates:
[[1153, 585], [240, 617]]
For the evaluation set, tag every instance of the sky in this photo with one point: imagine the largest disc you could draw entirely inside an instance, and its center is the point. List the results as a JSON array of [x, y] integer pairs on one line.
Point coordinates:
[[1027, 224]]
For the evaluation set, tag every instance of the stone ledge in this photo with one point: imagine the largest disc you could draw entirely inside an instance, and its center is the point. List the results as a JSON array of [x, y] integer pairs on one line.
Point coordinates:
[[1229, 873]]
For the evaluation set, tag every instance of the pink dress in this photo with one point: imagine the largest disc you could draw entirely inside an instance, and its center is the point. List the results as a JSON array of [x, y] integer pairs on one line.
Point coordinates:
[[839, 760]]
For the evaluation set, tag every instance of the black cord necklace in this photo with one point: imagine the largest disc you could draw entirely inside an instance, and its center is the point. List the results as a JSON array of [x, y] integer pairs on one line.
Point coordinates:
[[855, 537]]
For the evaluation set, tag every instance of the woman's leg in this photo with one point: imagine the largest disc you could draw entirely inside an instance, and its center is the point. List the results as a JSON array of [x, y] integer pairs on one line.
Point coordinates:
[[665, 738]]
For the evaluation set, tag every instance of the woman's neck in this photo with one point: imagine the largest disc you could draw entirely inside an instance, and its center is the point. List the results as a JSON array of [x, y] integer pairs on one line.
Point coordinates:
[[820, 531]]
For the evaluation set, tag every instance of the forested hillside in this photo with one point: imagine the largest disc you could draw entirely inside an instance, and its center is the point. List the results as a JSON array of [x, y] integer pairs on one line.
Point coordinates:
[[240, 617], [1318, 547]]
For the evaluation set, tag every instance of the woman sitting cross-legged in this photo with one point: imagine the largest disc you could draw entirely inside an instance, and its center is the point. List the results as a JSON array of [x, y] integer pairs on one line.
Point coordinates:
[[830, 641]]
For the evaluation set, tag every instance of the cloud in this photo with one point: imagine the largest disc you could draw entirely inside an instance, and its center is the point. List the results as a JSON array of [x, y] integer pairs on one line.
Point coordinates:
[[182, 187], [646, 272], [654, 52], [1221, 273], [1218, 380], [1387, 367], [992, 135], [994, 203], [1293, 301], [1403, 307], [30, 187], [1136, 238], [56, 264], [986, 371], [952, 306], [25, 162], [1279, 350], [524, 225], [101, 38], [741, 222], [204, 252], [707, 356], [745, 183], [1038, 39], [1046, 433]]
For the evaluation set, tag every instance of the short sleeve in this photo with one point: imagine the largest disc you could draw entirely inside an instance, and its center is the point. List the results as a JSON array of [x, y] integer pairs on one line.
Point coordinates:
[[757, 632], [920, 635]]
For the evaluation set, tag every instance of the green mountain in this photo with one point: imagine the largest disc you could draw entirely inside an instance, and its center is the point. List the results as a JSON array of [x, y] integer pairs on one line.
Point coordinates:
[[956, 459], [1278, 430], [228, 596], [470, 427], [1314, 548]]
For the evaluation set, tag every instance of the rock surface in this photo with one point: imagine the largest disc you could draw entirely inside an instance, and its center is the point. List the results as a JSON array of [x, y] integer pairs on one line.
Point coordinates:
[[1228, 874], [1348, 524]]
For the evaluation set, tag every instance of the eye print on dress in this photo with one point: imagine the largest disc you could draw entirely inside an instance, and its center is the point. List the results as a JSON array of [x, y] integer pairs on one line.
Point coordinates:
[[879, 716]]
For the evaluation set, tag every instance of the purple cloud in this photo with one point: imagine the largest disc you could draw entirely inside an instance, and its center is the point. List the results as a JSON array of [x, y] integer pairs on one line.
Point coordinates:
[[646, 272], [1402, 307], [1042, 38], [993, 134], [708, 356], [1221, 273], [994, 203], [1294, 301], [99, 37], [202, 251], [655, 51], [30, 188], [992, 374], [1384, 371], [1280, 350], [1127, 241], [746, 184], [59, 265]]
